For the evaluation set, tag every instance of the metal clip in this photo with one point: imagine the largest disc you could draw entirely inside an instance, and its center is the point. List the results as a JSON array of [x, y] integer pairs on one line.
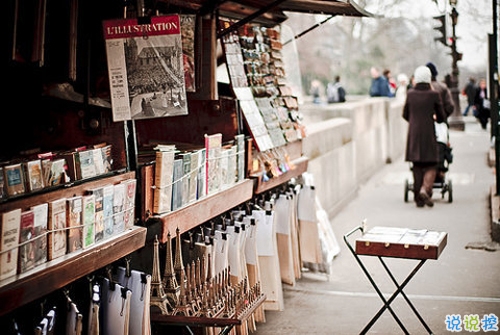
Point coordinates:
[[407, 246]]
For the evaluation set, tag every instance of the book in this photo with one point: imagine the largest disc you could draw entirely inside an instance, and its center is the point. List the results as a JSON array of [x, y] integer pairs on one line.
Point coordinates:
[[88, 220], [232, 165], [85, 166], [74, 223], [164, 164], [240, 157], [26, 244], [57, 238], [11, 223], [41, 217], [34, 175], [213, 148], [224, 168], [186, 177], [107, 209], [54, 171], [177, 184], [129, 202], [98, 161], [107, 159], [133, 97], [14, 179], [98, 213], [118, 208], [201, 190], [193, 176]]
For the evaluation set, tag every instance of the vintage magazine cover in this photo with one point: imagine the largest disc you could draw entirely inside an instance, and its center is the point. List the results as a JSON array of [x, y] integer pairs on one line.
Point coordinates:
[[145, 68]]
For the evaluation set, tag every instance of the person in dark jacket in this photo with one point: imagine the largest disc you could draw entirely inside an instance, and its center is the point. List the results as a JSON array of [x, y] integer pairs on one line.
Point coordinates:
[[380, 85], [444, 91], [482, 103], [422, 108]]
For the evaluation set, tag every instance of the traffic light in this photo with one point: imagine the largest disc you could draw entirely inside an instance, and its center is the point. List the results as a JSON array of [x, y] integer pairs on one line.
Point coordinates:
[[441, 29]]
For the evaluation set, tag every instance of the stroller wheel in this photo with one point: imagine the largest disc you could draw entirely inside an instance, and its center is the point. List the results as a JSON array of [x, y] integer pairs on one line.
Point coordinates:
[[450, 191], [407, 189]]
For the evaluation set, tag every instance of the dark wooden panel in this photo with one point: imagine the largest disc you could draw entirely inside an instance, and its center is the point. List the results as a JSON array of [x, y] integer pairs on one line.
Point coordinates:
[[53, 275]]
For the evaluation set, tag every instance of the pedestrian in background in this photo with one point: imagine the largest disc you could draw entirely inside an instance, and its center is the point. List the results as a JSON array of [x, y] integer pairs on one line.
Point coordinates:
[[335, 92], [403, 83], [482, 103], [469, 91], [444, 91], [422, 107], [379, 86], [392, 83], [315, 90]]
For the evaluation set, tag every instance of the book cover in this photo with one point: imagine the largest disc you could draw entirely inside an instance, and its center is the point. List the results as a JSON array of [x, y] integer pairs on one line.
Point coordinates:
[[88, 220], [11, 223], [57, 239], [177, 184], [107, 209], [232, 165], [41, 218], [98, 161], [98, 193], [240, 157], [14, 179], [34, 175], [57, 173], [193, 176], [213, 149], [118, 208], [186, 177], [129, 202], [74, 223], [201, 190], [143, 89], [107, 159], [224, 168], [85, 166], [26, 243], [164, 167]]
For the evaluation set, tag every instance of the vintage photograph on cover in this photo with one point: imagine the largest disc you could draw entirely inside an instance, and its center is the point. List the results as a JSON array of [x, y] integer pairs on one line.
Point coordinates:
[[145, 68]]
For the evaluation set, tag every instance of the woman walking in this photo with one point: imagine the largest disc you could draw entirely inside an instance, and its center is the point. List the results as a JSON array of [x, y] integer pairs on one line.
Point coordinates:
[[422, 108]]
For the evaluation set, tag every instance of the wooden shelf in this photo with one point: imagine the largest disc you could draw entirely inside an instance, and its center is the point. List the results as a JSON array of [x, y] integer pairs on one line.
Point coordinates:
[[204, 209], [197, 321], [55, 274], [263, 186]]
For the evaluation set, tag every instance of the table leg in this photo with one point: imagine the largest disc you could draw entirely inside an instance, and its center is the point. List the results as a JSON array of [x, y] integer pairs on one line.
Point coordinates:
[[400, 289]]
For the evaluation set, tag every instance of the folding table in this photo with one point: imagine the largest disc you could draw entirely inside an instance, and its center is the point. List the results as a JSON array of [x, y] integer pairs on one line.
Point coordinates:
[[417, 244]]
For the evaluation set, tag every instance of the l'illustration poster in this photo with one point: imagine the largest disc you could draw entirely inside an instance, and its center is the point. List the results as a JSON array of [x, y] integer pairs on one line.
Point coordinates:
[[145, 67]]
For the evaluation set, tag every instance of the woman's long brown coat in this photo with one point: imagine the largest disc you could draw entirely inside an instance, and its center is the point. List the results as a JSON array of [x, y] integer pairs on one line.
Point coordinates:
[[422, 103]]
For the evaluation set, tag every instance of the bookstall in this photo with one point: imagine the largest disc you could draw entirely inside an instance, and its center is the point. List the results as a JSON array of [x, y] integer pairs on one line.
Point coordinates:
[[121, 118]]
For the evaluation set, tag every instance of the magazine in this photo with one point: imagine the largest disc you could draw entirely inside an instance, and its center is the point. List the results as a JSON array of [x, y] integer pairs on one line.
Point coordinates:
[[145, 68]]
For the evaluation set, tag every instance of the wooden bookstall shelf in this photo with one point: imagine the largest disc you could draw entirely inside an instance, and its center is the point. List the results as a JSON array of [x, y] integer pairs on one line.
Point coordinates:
[[204, 209], [299, 168], [197, 321], [55, 274]]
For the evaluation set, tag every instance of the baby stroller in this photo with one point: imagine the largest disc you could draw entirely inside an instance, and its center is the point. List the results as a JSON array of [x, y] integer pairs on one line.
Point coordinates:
[[441, 182]]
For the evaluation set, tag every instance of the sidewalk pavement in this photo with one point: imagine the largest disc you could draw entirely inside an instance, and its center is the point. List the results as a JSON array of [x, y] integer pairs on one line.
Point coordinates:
[[464, 281]]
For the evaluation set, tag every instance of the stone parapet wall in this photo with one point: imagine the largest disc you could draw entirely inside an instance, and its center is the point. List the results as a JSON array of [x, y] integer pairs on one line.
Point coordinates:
[[347, 143]]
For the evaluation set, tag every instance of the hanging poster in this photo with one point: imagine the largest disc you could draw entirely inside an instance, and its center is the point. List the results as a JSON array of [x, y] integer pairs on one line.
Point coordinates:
[[145, 67]]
